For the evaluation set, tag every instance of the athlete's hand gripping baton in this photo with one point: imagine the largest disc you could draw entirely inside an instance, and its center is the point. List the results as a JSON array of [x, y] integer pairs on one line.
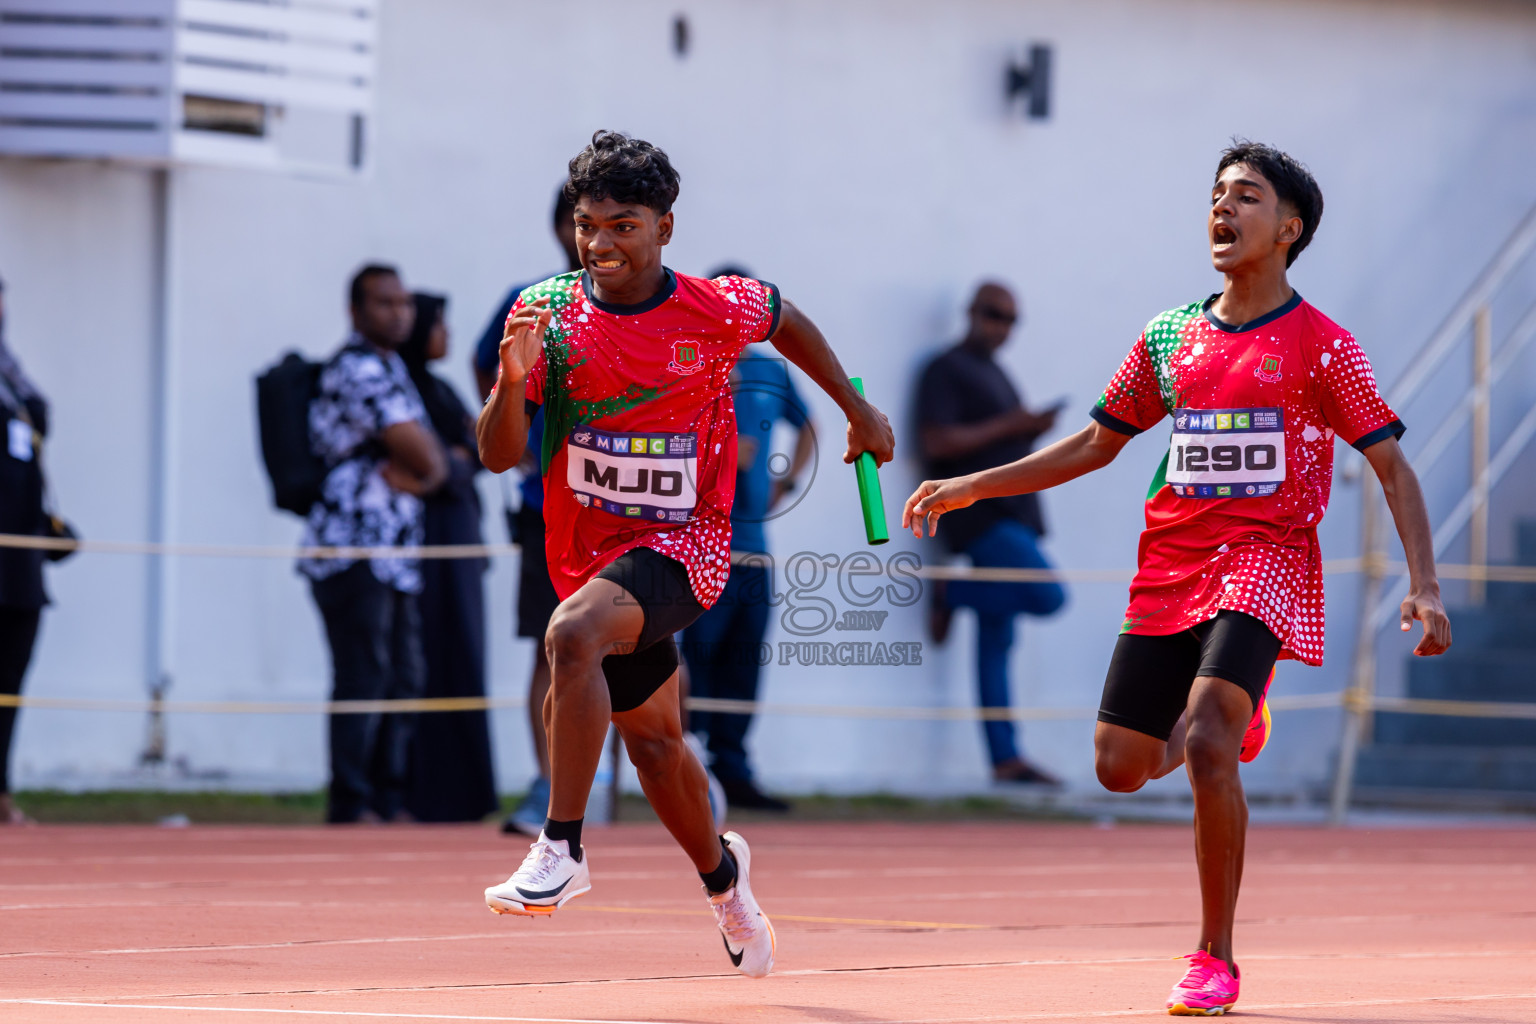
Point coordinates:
[[870, 498]]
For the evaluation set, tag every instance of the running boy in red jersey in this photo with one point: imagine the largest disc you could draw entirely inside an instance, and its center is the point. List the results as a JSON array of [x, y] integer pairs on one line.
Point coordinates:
[[1229, 575], [632, 363]]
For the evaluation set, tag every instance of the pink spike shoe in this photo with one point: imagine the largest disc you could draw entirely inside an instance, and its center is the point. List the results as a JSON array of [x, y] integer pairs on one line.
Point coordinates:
[[1259, 727], [1208, 989]]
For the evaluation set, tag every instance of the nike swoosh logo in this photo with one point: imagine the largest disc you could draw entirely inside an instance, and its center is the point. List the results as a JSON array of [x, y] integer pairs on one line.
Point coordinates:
[[735, 956], [546, 894]]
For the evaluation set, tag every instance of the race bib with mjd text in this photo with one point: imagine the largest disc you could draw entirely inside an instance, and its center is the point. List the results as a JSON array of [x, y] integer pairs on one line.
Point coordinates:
[[1226, 453], [637, 476]]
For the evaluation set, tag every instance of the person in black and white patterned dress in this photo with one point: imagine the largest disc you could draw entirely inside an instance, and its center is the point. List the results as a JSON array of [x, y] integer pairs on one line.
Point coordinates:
[[369, 425]]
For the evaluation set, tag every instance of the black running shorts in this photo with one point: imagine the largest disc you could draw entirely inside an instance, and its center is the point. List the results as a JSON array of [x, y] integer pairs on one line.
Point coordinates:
[[660, 586], [1150, 677]]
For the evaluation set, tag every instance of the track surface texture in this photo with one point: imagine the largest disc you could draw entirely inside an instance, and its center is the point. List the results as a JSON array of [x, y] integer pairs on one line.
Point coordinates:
[[875, 924]]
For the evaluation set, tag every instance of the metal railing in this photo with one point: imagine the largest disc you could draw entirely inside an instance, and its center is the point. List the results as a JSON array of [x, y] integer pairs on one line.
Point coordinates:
[[1472, 317]]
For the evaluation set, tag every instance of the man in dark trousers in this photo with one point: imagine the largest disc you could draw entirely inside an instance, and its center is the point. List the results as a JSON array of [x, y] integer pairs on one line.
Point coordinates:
[[970, 418], [369, 425]]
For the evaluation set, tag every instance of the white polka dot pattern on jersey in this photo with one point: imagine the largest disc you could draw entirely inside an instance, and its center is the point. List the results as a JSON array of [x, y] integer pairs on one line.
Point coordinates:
[[1253, 554]]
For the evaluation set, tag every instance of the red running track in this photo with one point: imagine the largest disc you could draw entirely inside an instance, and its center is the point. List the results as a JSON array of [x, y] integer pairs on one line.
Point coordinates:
[[877, 924]]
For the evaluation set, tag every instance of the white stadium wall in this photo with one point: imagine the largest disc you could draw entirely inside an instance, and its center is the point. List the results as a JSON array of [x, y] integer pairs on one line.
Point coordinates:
[[861, 156]]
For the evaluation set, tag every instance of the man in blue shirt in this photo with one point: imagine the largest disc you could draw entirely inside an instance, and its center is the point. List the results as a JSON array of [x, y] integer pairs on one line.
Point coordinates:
[[722, 647], [536, 598]]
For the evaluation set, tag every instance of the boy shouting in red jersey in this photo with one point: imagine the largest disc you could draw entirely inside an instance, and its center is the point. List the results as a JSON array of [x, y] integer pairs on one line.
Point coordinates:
[[1229, 576]]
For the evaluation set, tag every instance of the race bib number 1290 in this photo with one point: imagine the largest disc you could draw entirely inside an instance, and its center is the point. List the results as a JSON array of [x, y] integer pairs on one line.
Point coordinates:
[[637, 476], [1226, 453]]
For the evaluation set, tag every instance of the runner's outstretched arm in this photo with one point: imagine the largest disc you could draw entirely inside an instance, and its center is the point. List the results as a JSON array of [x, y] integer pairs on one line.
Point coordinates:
[[803, 344], [1093, 447], [1401, 486], [502, 430]]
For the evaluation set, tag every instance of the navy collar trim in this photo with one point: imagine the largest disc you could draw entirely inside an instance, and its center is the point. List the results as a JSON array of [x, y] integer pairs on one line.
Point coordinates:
[[1251, 325], [634, 308]]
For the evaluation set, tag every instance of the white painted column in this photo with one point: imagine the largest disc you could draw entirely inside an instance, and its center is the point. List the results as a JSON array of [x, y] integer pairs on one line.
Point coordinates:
[[160, 599]]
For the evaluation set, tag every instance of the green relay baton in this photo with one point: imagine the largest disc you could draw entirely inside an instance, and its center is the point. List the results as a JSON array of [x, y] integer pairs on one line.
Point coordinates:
[[870, 498]]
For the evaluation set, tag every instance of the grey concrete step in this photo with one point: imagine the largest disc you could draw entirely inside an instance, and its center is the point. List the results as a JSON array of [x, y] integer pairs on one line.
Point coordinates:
[[1513, 596], [1474, 674], [1396, 729], [1494, 659], [1493, 627], [1525, 542], [1441, 801], [1518, 596], [1492, 769]]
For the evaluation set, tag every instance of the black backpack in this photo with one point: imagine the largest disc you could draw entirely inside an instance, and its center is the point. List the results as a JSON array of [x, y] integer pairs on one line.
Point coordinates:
[[283, 395]]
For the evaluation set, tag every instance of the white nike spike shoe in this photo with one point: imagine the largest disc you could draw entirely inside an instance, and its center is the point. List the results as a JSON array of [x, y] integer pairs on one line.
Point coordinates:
[[746, 929], [548, 879]]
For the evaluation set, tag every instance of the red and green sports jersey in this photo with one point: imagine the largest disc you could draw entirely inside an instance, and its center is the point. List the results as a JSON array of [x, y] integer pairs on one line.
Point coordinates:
[[1232, 513], [639, 425]]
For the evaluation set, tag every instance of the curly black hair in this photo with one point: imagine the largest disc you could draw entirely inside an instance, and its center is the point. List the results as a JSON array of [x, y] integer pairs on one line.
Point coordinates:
[[1293, 184], [627, 170]]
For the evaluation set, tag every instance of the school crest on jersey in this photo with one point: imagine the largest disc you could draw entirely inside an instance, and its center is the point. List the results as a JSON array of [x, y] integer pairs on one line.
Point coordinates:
[[1268, 369], [685, 357]]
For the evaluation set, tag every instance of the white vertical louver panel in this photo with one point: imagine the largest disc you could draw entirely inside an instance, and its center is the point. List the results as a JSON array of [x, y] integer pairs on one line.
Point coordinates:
[[293, 80], [285, 84]]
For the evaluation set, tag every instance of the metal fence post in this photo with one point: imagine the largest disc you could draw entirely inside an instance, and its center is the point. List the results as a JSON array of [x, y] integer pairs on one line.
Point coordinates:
[[1362, 684], [1482, 359]]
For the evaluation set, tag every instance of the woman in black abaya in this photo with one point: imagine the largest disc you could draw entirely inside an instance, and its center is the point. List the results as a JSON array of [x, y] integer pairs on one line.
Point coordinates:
[[451, 777]]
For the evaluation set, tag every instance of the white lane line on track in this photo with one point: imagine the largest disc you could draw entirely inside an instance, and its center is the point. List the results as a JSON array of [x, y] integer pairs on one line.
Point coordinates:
[[171, 860], [313, 943], [1065, 1015], [813, 971], [798, 919], [394, 904], [86, 904], [335, 1013], [330, 881], [1257, 886], [1067, 859], [1246, 1008], [1090, 867], [175, 858], [1028, 885], [280, 840]]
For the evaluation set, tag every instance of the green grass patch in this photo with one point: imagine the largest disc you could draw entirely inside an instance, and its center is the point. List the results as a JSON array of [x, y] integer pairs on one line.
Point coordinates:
[[878, 807], [148, 807], [213, 807]]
